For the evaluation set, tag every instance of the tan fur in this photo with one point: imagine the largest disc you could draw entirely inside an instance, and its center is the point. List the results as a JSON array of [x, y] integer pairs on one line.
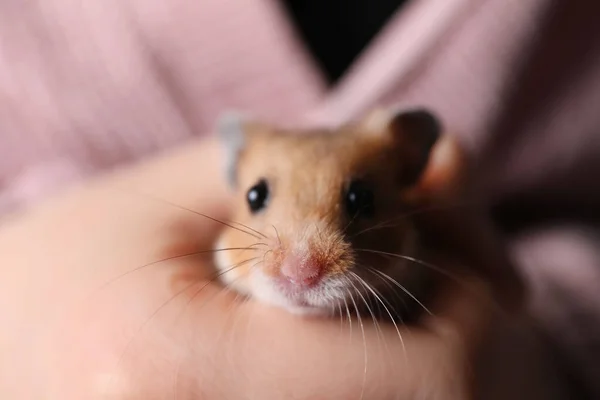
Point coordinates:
[[306, 190], [307, 173]]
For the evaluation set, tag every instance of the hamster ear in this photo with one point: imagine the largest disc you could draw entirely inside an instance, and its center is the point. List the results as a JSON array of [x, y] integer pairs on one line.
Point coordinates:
[[231, 130], [442, 180], [414, 134]]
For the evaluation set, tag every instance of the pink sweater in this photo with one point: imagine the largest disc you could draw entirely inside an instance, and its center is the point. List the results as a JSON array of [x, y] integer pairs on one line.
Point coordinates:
[[85, 86]]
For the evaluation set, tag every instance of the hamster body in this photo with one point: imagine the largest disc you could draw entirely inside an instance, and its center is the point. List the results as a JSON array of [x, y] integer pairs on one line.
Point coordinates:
[[323, 215]]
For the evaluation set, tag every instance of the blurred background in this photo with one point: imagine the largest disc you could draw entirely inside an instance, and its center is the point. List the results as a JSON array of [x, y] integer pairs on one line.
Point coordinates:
[[89, 86]]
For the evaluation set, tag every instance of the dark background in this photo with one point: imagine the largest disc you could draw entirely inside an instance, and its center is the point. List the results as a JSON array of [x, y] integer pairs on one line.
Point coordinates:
[[336, 31]]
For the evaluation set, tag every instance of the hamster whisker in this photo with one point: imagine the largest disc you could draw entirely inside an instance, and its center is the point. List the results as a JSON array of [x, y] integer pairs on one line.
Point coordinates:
[[217, 276], [265, 254], [162, 306], [362, 328], [380, 334], [341, 314], [453, 277], [277, 233], [195, 253], [141, 327], [228, 224], [401, 287], [433, 267], [349, 315], [390, 305], [378, 297], [179, 371], [226, 288], [350, 222], [222, 290], [251, 229], [392, 289], [400, 218], [382, 225]]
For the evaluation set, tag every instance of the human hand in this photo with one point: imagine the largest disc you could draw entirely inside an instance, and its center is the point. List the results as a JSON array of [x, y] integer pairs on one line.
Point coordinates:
[[88, 313]]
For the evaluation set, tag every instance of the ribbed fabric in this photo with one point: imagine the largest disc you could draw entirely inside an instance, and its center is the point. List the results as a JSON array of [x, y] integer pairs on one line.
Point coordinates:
[[87, 85]]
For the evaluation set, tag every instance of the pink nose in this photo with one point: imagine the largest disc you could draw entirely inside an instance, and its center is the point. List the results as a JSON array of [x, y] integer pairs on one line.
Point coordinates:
[[301, 272]]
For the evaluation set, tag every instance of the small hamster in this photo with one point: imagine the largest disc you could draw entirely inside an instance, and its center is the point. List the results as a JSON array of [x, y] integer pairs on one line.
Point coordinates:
[[322, 216]]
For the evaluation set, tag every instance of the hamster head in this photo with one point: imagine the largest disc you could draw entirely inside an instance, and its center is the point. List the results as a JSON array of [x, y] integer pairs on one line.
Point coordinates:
[[320, 212]]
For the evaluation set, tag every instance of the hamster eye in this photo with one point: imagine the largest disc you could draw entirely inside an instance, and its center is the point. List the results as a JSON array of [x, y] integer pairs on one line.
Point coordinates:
[[257, 196], [359, 200]]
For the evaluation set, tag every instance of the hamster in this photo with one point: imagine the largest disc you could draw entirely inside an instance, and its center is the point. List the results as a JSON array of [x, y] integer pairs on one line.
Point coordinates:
[[322, 216]]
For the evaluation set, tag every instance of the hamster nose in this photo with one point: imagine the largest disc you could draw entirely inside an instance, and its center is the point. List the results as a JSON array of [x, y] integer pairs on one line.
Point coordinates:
[[301, 272]]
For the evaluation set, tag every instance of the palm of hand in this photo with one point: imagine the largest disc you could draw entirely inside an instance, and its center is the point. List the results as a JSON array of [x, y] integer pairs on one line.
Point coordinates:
[[98, 325]]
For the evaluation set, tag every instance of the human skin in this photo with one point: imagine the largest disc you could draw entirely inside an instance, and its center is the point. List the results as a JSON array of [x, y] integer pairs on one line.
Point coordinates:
[[72, 329]]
